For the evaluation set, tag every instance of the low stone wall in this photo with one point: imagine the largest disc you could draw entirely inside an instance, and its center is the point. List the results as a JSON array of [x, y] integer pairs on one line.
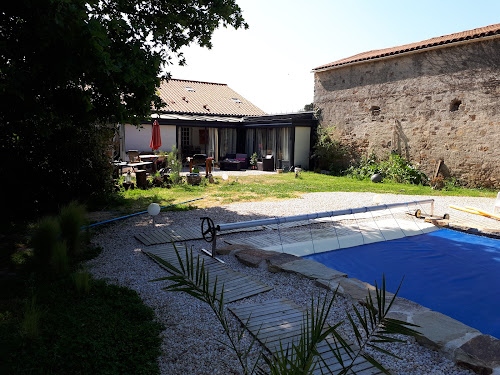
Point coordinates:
[[465, 345]]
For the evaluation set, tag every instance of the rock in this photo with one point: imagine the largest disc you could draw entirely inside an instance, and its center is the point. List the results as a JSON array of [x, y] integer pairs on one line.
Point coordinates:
[[330, 285], [438, 330], [311, 269], [229, 249], [376, 178], [358, 290], [481, 354], [274, 263], [408, 307], [253, 257]]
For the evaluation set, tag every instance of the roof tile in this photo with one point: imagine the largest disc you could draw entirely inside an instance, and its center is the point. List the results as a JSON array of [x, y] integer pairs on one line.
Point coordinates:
[[433, 42]]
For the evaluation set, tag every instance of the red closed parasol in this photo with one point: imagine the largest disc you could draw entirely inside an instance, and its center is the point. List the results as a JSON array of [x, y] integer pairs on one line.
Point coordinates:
[[155, 137]]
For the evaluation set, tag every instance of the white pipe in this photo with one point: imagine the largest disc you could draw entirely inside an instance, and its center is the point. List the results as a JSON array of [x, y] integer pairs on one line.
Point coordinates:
[[289, 219]]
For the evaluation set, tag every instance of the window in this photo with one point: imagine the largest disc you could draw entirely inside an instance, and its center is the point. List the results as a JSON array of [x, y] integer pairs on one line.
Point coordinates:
[[185, 136], [190, 89], [375, 110], [455, 105]]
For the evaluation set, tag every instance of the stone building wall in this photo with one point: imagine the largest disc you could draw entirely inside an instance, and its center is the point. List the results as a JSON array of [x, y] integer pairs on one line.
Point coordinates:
[[443, 103]]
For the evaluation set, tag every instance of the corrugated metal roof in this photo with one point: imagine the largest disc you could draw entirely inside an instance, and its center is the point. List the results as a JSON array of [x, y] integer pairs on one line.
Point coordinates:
[[205, 98], [407, 48]]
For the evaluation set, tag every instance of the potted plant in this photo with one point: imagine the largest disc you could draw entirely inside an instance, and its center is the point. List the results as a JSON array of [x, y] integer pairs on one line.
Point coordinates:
[[253, 160]]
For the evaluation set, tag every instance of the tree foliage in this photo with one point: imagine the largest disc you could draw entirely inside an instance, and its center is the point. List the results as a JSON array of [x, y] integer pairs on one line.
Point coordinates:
[[69, 69]]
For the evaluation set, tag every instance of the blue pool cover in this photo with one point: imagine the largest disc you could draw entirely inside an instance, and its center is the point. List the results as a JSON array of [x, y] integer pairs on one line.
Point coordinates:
[[455, 273]]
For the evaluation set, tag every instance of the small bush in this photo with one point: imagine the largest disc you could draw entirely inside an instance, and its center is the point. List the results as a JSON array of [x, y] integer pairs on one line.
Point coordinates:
[[328, 152], [174, 165], [44, 239], [59, 259], [71, 219], [82, 282], [395, 168], [30, 325]]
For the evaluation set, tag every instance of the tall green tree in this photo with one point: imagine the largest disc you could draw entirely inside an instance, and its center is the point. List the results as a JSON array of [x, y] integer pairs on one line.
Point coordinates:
[[70, 69]]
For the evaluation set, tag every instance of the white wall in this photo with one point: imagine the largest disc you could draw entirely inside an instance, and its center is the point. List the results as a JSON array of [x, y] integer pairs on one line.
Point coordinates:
[[139, 138], [301, 148]]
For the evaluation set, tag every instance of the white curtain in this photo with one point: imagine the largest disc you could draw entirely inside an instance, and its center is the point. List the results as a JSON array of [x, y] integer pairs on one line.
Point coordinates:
[[271, 142], [250, 142], [211, 142], [283, 143], [227, 141]]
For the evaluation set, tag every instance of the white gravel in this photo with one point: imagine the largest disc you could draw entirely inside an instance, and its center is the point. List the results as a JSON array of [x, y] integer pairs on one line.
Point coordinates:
[[192, 335]]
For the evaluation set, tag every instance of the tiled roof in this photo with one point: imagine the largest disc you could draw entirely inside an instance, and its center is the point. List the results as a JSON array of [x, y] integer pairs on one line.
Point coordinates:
[[205, 98], [407, 48]]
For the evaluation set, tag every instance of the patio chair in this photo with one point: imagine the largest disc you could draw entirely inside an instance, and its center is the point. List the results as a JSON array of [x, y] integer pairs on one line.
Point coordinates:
[[267, 164], [133, 156]]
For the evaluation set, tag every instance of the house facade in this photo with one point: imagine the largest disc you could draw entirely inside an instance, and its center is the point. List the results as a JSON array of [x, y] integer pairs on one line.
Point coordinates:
[[436, 102], [212, 119]]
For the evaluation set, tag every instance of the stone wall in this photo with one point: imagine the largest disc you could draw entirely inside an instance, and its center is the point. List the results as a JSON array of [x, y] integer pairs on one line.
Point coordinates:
[[443, 103]]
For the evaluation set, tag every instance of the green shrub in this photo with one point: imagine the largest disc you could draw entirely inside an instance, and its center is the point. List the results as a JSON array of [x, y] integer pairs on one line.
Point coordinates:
[[44, 239], [59, 259], [71, 219], [366, 167], [82, 282], [329, 153], [395, 168], [174, 165], [30, 325]]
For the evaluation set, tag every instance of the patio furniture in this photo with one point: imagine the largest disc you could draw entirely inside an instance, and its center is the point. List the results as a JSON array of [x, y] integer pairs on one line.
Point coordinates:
[[229, 162], [140, 179], [200, 159], [133, 156], [230, 165], [144, 164], [150, 158], [267, 164]]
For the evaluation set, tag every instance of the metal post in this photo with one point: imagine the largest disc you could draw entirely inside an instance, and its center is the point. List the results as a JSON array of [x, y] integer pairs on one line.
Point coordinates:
[[214, 244]]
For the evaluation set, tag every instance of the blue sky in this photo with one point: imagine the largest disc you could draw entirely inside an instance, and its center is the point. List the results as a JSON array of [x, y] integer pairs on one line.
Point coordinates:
[[270, 63]]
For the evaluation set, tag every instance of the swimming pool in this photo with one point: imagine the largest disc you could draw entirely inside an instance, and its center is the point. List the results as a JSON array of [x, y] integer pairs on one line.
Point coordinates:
[[455, 273]]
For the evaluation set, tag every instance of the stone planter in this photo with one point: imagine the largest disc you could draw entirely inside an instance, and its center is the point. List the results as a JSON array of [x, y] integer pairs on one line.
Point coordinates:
[[193, 179]]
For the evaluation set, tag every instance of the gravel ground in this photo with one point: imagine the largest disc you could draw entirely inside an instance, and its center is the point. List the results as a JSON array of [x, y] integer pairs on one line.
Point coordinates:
[[192, 336]]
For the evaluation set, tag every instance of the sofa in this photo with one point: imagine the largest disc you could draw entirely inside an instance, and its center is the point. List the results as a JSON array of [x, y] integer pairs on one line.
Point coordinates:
[[229, 162]]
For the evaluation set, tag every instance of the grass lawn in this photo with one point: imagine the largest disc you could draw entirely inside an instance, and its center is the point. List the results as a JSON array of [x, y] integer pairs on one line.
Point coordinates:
[[271, 187]]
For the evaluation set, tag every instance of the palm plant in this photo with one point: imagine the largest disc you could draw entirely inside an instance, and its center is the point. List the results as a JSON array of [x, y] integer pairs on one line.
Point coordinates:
[[302, 357]]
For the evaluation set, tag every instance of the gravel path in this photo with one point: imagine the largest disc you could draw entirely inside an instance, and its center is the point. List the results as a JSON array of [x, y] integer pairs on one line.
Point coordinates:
[[192, 334]]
